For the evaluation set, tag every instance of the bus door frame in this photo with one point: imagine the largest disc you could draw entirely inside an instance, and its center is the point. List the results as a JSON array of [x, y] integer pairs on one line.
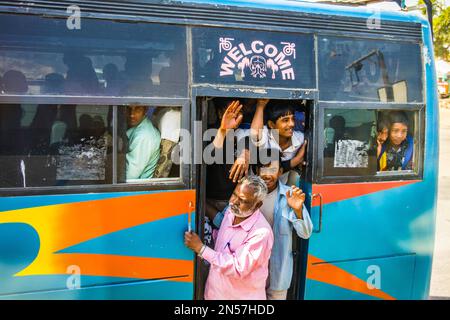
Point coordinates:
[[198, 178]]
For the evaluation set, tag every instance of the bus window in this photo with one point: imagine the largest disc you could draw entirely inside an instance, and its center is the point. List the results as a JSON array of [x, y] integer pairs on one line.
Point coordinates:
[[369, 70], [148, 135], [368, 142], [55, 145], [99, 59]]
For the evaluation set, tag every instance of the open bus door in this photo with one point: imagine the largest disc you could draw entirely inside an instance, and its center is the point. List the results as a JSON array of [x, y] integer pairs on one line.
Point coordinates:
[[300, 246]]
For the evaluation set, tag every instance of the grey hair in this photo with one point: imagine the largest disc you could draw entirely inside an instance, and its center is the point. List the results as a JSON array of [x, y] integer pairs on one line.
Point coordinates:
[[258, 185]]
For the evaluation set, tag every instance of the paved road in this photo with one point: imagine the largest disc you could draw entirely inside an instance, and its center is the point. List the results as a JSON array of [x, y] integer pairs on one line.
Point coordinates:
[[440, 278]]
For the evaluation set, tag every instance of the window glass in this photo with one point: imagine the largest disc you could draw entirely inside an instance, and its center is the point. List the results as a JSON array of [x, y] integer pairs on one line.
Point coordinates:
[[369, 70], [364, 142], [55, 145], [42, 56], [67, 145], [256, 58], [148, 135]]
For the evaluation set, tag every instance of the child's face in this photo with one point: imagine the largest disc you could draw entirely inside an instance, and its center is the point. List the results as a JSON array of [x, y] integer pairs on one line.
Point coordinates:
[[285, 125], [398, 133], [270, 174], [383, 135]]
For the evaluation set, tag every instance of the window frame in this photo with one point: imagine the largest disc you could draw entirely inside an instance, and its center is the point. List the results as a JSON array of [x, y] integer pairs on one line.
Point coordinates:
[[420, 44], [320, 178], [176, 183], [35, 13]]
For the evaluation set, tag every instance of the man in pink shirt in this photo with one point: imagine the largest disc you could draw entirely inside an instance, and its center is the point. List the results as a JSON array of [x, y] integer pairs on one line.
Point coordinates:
[[240, 259]]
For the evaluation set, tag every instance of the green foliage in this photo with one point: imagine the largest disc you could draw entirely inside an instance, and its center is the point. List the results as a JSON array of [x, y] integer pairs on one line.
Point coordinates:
[[441, 28]]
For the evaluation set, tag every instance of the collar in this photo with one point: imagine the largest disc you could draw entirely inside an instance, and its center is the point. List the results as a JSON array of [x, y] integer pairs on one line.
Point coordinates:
[[282, 189], [295, 140], [248, 223]]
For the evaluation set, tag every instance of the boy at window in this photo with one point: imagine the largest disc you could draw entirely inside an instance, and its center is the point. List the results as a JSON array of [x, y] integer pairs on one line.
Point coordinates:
[[382, 135], [399, 147], [279, 133], [143, 144]]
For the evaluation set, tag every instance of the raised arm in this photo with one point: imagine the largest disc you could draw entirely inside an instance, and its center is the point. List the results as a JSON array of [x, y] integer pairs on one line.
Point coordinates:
[[258, 120], [230, 120], [298, 214], [296, 160]]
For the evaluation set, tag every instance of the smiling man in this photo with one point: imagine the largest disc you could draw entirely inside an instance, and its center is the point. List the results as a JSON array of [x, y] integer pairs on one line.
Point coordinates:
[[143, 144], [285, 211], [240, 259]]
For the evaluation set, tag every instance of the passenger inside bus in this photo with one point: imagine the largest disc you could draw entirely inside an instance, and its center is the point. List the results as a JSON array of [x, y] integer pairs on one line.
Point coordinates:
[[291, 215], [399, 147], [137, 74], [113, 79], [168, 122], [15, 82], [382, 136], [54, 83], [143, 144], [278, 132], [81, 75], [220, 177]]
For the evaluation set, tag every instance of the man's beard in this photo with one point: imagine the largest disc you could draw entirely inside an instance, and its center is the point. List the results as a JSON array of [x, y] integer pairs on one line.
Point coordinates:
[[238, 213]]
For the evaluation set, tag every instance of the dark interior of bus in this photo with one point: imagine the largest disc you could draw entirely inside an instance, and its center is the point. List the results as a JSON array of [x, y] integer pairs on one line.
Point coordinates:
[[209, 111]]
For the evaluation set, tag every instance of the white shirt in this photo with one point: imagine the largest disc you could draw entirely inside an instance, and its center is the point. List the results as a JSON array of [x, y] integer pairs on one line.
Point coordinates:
[[268, 141], [168, 122], [268, 206]]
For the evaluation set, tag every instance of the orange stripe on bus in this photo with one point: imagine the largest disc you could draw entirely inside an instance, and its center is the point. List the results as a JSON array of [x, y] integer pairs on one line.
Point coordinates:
[[116, 266], [328, 273], [338, 192], [64, 225]]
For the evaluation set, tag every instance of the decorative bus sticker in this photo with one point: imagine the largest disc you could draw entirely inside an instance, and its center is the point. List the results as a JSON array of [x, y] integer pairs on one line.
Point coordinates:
[[257, 59]]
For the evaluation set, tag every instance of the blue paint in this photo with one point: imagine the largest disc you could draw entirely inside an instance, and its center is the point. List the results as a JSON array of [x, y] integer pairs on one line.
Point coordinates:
[[15, 203], [398, 221], [158, 239], [143, 290], [393, 275], [314, 8], [19, 246]]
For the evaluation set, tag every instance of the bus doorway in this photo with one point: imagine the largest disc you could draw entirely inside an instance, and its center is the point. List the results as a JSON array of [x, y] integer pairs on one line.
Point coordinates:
[[214, 186]]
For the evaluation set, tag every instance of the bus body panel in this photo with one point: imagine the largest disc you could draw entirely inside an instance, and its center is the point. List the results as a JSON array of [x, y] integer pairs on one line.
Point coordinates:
[[316, 8], [385, 220], [96, 240], [129, 245]]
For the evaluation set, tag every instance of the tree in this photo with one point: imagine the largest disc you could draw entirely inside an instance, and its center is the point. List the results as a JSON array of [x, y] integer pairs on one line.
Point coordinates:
[[441, 28]]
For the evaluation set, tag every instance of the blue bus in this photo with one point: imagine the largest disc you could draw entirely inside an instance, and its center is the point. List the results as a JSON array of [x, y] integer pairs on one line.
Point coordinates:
[[75, 225]]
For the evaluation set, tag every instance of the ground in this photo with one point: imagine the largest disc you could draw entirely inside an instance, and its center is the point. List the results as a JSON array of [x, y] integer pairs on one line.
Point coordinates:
[[440, 277]]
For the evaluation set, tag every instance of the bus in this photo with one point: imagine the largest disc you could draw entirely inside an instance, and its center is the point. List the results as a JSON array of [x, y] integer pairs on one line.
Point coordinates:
[[74, 224]]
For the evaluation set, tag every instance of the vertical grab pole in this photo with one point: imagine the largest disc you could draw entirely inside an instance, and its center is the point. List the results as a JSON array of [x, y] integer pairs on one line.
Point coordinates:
[[191, 208], [320, 209]]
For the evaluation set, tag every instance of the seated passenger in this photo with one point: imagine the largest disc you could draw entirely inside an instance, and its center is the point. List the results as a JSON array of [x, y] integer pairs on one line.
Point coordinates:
[[382, 135], [399, 147], [240, 259], [143, 144], [281, 136], [54, 84], [168, 121], [113, 81], [15, 82], [81, 76]]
